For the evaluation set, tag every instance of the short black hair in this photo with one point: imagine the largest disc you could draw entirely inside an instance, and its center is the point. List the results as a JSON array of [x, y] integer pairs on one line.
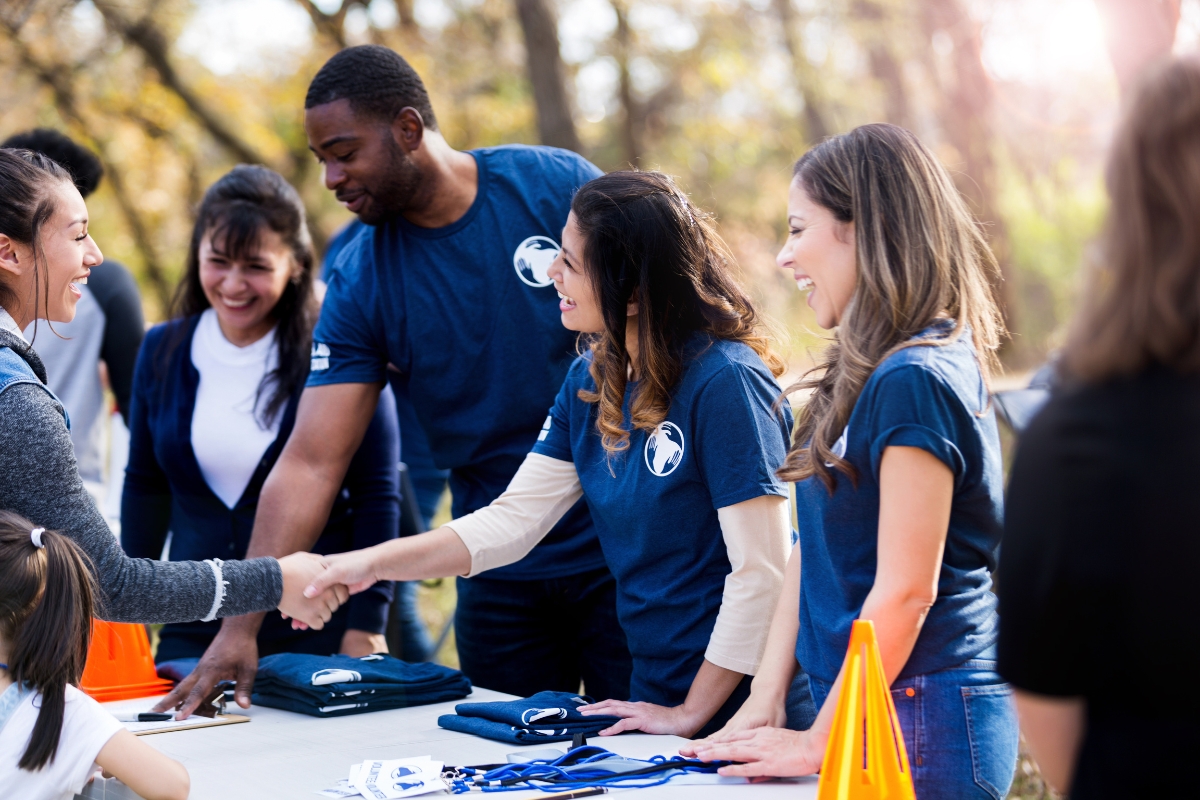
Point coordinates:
[[376, 80], [85, 168]]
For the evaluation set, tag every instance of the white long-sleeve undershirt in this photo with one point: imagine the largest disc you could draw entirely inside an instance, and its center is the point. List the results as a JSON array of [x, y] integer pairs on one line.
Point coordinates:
[[757, 535]]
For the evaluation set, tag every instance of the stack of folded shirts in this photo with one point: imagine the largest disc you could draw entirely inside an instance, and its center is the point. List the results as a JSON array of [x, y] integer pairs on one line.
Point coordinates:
[[334, 686], [544, 717]]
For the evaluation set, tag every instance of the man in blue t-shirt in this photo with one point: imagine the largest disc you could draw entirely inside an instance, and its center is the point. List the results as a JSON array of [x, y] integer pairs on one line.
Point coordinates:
[[448, 284]]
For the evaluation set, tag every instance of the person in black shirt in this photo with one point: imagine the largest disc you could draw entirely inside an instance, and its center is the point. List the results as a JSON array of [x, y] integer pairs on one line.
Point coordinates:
[[1100, 621]]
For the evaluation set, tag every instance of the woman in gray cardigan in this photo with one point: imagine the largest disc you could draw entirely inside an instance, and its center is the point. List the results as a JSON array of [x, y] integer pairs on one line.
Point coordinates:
[[45, 252]]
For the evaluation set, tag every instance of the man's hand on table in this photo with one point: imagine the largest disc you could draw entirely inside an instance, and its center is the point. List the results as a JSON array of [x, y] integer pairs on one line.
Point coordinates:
[[233, 655]]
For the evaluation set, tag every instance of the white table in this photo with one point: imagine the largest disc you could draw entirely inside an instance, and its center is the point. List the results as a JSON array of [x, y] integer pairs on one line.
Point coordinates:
[[286, 756]]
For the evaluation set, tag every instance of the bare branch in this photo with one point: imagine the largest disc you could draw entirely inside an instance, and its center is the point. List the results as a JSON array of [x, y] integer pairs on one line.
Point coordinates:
[[147, 37]]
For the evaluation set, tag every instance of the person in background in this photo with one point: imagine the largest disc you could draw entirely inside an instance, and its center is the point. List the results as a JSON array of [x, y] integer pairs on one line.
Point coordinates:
[[46, 256], [667, 426], [53, 737], [449, 285], [214, 402], [107, 329], [427, 481], [1100, 534], [897, 458]]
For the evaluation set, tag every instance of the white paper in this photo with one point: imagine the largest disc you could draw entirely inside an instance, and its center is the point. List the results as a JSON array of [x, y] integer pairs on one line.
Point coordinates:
[[341, 791], [397, 778]]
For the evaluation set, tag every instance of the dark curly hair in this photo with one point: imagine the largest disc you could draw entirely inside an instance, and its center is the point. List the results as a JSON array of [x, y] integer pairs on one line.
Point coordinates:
[[85, 168], [377, 81]]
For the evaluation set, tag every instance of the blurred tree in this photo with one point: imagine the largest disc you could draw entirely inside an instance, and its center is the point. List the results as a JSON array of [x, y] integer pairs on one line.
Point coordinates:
[[965, 105], [1138, 33], [547, 74]]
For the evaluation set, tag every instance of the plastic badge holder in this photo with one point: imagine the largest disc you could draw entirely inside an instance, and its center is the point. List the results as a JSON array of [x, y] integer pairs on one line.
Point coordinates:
[[865, 758], [119, 664]]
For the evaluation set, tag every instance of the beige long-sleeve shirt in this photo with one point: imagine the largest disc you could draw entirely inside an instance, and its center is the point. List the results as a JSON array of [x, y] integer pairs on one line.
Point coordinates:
[[757, 535]]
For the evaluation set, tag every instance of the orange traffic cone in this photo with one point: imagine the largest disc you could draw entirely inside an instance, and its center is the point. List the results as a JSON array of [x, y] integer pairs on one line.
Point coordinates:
[[865, 758], [119, 664]]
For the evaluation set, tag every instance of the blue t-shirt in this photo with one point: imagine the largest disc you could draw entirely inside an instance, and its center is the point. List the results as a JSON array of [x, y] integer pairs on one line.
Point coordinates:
[[655, 504], [468, 315], [934, 398]]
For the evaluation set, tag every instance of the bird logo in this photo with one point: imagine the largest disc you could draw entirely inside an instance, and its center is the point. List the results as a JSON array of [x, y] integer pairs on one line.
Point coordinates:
[[664, 449], [533, 258]]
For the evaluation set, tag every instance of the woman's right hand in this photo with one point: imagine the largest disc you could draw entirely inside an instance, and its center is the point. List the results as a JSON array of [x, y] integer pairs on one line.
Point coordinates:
[[756, 712], [356, 570]]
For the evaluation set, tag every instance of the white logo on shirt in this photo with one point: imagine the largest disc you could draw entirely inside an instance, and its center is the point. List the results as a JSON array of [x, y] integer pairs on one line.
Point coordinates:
[[320, 356], [664, 449], [545, 429], [533, 258]]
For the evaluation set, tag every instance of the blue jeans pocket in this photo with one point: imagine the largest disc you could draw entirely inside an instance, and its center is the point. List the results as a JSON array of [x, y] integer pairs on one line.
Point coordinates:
[[992, 735]]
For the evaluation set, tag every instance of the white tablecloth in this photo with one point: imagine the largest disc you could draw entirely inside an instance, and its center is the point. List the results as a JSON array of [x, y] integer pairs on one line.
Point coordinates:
[[284, 756]]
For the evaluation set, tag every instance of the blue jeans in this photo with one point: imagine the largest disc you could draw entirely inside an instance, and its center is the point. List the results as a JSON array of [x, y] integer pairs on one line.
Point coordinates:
[[960, 730], [525, 637]]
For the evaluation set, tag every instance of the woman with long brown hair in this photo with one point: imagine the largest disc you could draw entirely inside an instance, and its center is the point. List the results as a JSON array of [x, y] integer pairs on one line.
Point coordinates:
[[667, 426], [897, 461], [1100, 531]]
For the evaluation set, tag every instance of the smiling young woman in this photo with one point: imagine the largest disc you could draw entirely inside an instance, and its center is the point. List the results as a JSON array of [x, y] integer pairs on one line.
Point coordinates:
[[897, 461], [214, 401], [45, 252]]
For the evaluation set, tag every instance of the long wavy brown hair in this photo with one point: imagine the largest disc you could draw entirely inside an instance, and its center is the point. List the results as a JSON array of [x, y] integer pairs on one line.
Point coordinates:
[[1142, 305], [920, 256], [644, 240]]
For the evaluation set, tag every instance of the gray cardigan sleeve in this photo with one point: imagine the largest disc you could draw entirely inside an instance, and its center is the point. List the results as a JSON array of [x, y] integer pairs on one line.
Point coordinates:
[[40, 481]]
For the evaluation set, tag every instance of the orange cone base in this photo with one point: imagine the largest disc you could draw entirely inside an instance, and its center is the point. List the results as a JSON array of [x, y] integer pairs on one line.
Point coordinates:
[[865, 758], [119, 664]]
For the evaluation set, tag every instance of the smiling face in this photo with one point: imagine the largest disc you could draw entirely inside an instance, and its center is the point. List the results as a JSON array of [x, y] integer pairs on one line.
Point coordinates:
[[67, 256], [245, 291], [821, 254], [365, 164], [578, 302]]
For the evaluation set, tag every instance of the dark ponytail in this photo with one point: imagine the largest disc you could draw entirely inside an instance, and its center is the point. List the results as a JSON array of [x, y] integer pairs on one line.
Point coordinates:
[[26, 203], [46, 601]]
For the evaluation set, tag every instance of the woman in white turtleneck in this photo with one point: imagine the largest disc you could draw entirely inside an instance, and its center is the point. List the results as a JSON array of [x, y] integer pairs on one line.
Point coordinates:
[[214, 401]]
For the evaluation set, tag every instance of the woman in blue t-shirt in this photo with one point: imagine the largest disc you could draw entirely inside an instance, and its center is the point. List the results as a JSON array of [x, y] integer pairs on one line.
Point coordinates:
[[668, 425], [214, 400], [897, 460]]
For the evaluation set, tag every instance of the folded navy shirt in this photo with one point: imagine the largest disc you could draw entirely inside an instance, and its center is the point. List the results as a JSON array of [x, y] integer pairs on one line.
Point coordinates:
[[543, 717], [329, 686]]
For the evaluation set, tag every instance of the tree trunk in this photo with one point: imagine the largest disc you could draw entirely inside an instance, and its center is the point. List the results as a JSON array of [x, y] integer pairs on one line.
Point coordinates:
[[816, 115], [631, 113], [966, 97], [1138, 33], [879, 26], [547, 74]]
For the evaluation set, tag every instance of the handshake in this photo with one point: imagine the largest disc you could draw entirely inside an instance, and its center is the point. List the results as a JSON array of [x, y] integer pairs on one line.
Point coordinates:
[[313, 588]]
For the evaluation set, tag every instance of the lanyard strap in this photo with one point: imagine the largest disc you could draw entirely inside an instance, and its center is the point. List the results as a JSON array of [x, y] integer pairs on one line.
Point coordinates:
[[9, 701]]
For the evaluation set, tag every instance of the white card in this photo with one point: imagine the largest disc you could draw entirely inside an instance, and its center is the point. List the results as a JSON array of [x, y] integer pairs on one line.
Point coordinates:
[[397, 778]]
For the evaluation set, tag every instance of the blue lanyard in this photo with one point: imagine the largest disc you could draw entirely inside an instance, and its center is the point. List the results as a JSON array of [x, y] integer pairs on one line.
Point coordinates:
[[9, 701]]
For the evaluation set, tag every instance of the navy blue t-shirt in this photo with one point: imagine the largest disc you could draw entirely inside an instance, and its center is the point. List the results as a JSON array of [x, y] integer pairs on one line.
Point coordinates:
[[467, 313], [655, 504], [934, 398]]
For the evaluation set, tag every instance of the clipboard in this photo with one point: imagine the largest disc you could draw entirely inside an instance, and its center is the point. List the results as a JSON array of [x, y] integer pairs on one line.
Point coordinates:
[[150, 728]]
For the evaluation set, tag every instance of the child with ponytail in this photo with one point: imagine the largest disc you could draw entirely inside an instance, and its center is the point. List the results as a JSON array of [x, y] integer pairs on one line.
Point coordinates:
[[52, 736]]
